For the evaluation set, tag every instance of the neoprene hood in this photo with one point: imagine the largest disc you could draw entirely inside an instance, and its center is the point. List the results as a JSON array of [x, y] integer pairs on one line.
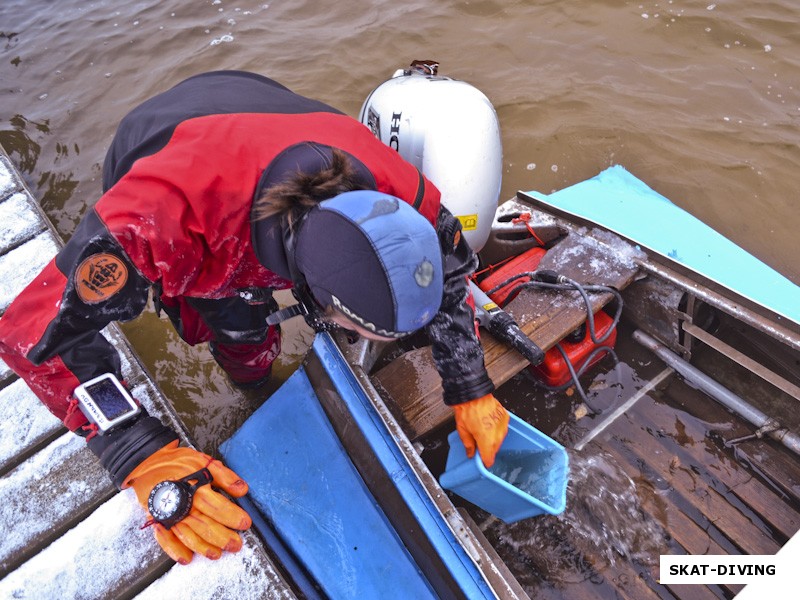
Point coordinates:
[[375, 259]]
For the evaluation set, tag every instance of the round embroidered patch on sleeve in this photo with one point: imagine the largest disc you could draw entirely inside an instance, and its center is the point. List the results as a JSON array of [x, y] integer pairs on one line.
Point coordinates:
[[99, 277]]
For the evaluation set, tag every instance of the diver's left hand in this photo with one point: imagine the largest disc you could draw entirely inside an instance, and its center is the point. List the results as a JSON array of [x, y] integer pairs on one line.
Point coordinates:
[[212, 523], [482, 423]]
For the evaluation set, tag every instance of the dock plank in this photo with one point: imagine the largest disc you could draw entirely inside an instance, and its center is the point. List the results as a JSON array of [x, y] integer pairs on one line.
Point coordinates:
[[18, 222], [61, 469], [25, 424], [252, 578], [109, 538], [10, 181], [68, 484], [19, 267], [67, 532]]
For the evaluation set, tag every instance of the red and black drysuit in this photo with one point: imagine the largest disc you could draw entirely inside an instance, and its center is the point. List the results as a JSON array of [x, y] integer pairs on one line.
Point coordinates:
[[180, 179]]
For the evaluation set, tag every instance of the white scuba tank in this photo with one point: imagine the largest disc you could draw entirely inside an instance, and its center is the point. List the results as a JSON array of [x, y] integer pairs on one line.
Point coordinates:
[[449, 130]]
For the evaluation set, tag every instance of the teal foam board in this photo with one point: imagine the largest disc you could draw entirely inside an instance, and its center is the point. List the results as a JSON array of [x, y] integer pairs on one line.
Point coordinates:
[[616, 200]]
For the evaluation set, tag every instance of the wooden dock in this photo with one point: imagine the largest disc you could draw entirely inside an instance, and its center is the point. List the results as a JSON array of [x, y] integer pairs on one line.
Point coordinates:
[[67, 532]]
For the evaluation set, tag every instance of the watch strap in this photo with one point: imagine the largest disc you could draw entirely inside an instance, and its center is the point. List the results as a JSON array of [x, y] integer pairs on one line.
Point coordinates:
[[187, 488], [201, 477]]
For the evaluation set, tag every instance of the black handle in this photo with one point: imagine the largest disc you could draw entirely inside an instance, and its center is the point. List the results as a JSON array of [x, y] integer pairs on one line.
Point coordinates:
[[503, 326]]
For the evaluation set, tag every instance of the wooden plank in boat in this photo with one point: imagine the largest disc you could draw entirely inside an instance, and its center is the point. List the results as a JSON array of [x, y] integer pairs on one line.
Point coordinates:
[[695, 592], [558, 559], [767, 501], [768, 457], [686, 535], [412, 386], [776, 465], [552, 563], [688, 524], [763, 499], [623, 580]]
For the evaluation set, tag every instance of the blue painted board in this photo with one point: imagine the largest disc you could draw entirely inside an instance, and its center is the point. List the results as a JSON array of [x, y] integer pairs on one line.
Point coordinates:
[[302, 480], [387, 453], [618, 201]]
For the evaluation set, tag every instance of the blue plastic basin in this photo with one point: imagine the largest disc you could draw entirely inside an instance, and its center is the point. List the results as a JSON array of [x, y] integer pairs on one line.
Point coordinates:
[[529, 476]]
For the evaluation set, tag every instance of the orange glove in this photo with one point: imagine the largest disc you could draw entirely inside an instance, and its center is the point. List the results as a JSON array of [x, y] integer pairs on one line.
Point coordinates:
[[482, 422], [207, 529]]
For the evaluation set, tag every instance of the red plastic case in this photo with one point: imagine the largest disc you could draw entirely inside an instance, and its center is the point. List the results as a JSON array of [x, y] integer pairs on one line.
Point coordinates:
[[554, 371]]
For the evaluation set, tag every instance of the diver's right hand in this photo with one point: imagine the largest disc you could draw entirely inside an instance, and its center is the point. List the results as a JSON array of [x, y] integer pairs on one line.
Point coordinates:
[[482, 423]]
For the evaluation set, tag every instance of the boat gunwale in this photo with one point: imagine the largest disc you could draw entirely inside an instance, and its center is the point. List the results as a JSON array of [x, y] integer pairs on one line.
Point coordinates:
[[485, 560]]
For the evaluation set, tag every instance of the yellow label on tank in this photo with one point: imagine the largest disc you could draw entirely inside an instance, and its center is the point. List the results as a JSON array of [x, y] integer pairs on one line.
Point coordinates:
[[468, 222]]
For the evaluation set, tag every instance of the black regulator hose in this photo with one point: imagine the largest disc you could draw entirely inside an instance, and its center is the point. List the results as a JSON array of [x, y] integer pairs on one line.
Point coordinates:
[[551, 280], [548, 279]]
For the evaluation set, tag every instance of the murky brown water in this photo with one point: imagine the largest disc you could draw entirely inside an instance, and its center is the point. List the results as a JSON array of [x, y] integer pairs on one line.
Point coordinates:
[[700, 100]]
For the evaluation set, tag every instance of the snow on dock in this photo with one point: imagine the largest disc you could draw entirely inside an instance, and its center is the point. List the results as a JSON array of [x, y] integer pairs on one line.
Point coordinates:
[[67, 532]]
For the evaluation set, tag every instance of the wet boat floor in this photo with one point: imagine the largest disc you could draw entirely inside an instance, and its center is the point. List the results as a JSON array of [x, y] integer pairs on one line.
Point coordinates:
[[659, 479]]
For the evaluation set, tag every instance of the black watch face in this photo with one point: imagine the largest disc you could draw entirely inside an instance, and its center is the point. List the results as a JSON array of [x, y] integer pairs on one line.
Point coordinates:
[[171, 501]]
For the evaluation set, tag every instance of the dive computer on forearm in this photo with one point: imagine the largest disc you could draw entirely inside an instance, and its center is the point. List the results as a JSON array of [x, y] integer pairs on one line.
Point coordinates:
[[106, 403]]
